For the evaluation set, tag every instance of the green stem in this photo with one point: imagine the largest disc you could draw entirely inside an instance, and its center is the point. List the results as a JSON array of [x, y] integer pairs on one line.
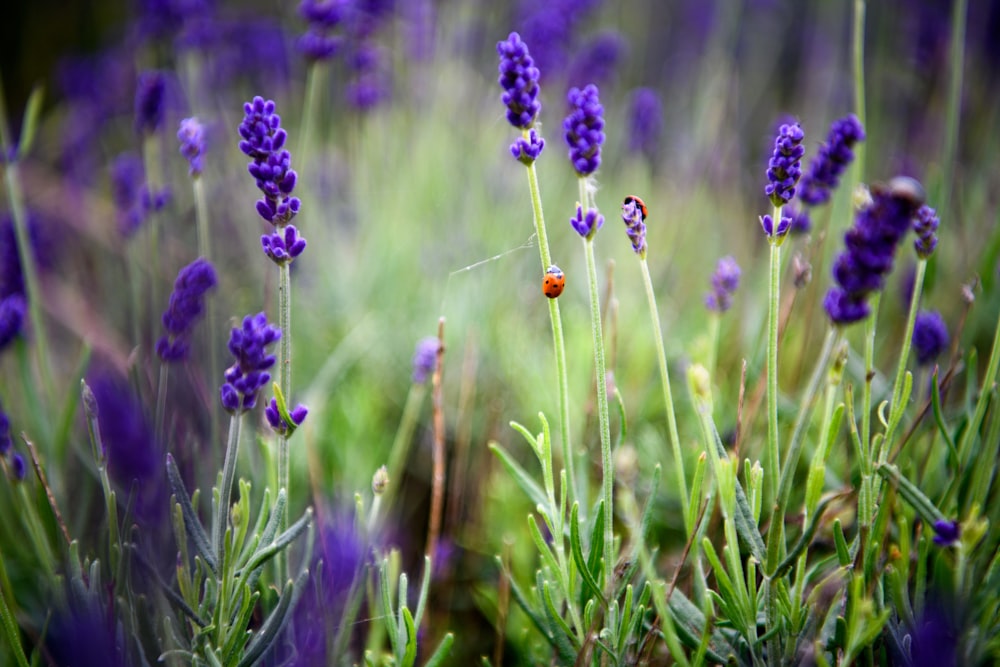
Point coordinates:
[[866, 397], [161, 399], [150, 156], [228, 475], [904, 355], [774, 304], [607, 467], [400, 447], [858, 63], [959, 13], [285, 383], [205, 250], [557, 333], [668, 400]]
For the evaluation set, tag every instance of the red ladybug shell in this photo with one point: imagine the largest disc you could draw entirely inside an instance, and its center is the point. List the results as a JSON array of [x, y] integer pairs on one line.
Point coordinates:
[[554, 282], [639, 203]]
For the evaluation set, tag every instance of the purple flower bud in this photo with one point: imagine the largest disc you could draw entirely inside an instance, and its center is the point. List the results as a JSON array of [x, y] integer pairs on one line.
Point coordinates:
[[930, 336], [586, 225], [833, 159], [768, 224], [946, 533], [186, 307], [283, 246], [274, 418], [584, 129], [926, 225], [725, 281], [784, 169], [801, 222], [18, 467], [424, 359], [192, 137], [527, 150], [149, 101], [247, 375], [519, 80], [5, 441], [262, 140], [12, 317]]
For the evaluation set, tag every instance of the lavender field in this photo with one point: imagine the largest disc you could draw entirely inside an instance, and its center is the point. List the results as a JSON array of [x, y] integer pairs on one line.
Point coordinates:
[[416, 332]]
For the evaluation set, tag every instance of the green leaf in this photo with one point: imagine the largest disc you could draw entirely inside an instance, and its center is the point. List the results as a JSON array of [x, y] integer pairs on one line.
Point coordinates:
[[840, 543], [523, 479], [548, 558], [191, 522], [591, 587], [388, 613], [29, 124], [442, 651], [596, 558], [558, 632], [10, 629], [272, 627], [525, 603], [410, 640]]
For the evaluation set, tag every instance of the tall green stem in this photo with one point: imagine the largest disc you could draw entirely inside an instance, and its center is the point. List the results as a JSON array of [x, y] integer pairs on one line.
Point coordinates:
[[285, 383], [228, 475], [904, 355], [668, 399], [774, 283], [858, 36], [602, 413], [205, 250], [557, 333]]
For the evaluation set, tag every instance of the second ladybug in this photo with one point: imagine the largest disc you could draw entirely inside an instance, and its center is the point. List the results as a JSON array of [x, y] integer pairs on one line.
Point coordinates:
[[554, 282]]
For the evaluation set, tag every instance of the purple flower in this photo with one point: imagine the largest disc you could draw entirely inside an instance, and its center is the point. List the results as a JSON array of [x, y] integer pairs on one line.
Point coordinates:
[[767, 223], [633, 215], [17, 467], [869, 248], [834, 157], [801, 223], [369, 85], [149, 101], [527, 150], [130, 194], [586, 224], [784, 169], [12, 312], [946, 533], [584, 129], [323, 16], [278, 423], [425, 359], [725, 280], [282, 246], [930, 336], [597, 60], [248, 374], [186, 307], [519, 80], [192, 137], [925, 225], [645, 123], [263, 140], [5, 441]]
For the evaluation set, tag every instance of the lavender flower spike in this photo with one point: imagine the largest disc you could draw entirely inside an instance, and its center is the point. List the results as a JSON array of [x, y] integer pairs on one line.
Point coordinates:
[[725, 281], [784, 168], [192, 137], [519, 80], [930, 336], [633, 215], [149, 101], [584, 129], [284, 245], [187, 305], [869, 248], [926, 225], [834, 157], [263, 140], [248, 373], [323, 16], [425, 358]]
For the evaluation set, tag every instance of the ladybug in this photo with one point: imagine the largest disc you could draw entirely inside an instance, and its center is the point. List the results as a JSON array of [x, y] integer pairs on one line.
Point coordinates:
[[641, 205], [554, 282]]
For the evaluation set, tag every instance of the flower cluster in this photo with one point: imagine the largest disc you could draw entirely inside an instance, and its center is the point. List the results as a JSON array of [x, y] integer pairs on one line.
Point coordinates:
[[519, 80], [263, 139], [784, 167], [13, 301], [586, 224], [248, 374], [323, 16], [725, 281], [186, 307], [930, 336], [634, 215], [149, 101], [834, 156], [278, 423], [926, 225], [870, 246], [527, 150], [192, 137], [283, 245], [584, 129], [424, 359]]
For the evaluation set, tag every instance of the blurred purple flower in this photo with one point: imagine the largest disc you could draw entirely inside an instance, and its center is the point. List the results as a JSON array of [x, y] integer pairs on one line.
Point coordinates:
[[263, 139], [191, 134], [128, 178], [784, 168], [150, 106], [186, 307], [248, 374], [5, 441], [930, 336], [833, 158], [12, 317], [598, 59], [725, 281], [926, 225], [519, 80], [869, 248], [83, 634], [17, 466], [583, 129], [645, 123], [946, 532], [801, 223], [424, 359], [320, 41]]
